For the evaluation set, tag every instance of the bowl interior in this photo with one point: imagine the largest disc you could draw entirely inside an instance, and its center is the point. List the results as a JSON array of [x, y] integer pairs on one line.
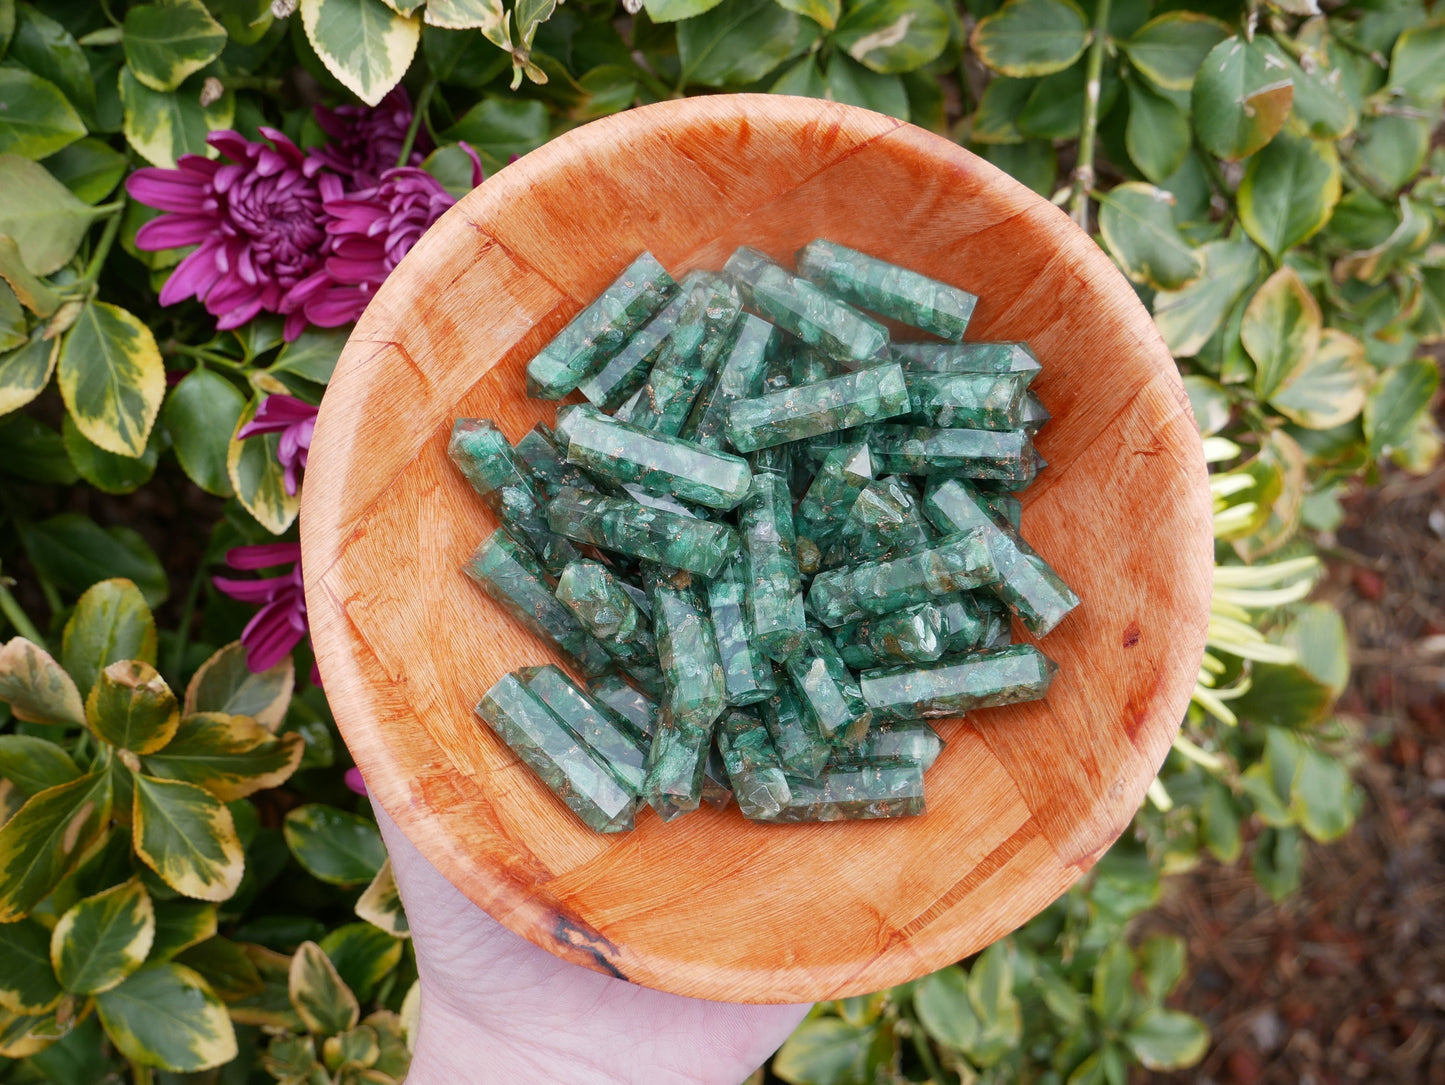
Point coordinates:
[[1023, 800]]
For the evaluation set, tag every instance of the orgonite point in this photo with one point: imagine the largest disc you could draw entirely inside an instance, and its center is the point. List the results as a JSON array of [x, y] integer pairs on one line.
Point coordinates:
[[717, 786], [636, 709], [841, 477], [886, 518], [901, 740], [968, 400], [749, 348], [623, 374], [912, 635], [510, 573], [1033, 414], [539, 453], [850, 594], [815, 316], [774, 584], [1006, 508], [973, 453], [802, 747], [954, 684], [599, 729], [893, 291], [968, 357], [966, 623], [625, 525], [752, 765], [867, 395], [600, 329], [609, 614], [809, 366], [828, 691], [687, 357], [576, 775], [849, 792], [625, 453], [748, 672]]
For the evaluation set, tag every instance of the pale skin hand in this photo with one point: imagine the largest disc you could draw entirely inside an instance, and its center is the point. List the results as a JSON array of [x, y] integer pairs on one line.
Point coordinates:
[[495, 1008]]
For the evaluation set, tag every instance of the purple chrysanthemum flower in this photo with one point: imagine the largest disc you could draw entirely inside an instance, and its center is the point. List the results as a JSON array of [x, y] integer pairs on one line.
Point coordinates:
[[368, 233], [367, 141], [354, 781], [295, 420], [280, 624], [257, 219]]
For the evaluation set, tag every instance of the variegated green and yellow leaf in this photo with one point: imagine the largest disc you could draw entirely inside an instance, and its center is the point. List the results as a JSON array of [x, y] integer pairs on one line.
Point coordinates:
[[25, 371], [1331, 389], [365, 44], [112, 378], [24, 1034], [132, 708], [46, 837], [271, 1008], [103, 939], [42, 216], [36, 688], [293, 1059], [224, 683], [411, 1013], [30, 290], [1280, 330], [180, 924], [318, 995], [380, 904], [166, 1016], [258, 477], [187, 836], [164, 43], [335, 845], [27, 982], [111, 622], [363, 955], [488, 16], [224, 965], [32, 763], [230, 756], [163, 125], [11, 800]]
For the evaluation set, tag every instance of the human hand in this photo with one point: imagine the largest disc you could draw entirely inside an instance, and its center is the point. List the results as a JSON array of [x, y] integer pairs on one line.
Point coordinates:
[[495, 1008]]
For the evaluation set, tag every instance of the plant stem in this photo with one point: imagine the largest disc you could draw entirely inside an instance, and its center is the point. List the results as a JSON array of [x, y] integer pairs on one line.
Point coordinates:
[[422, 101], [1089, 126], [10, 607], [920, 1038], [202, 355], [103, 246], [183, 630]]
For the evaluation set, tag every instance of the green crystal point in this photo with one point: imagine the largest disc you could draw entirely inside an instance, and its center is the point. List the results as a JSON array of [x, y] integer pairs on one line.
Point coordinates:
[[480, 451], [809, 366], [629, 527], [749, 676], [954, 684], [1005, 507], [841, 477], [695, 690], [510, 573], [774, 584], [743, 360], [611, 616], [625, 372], [912, 635], [901, 740], [624, 453], [828, 691], [874, 284], [1028, 585], [538, 451], [1005, 455], [968, 358], [801, 745], [600, 730], [637, 710], [1033, 414], [792, 414], [969, 621], [886, 518], [688, 356], [752, 765], [848, 792], [576, 775], [968, 400], [850, 594], [809, 312], [600, 329]]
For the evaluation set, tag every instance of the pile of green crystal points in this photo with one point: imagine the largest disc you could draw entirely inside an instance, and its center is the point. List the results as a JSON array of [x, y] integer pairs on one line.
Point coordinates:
[[773, 541]]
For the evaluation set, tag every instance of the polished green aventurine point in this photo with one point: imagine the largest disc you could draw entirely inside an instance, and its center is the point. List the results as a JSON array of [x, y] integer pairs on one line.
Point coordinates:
[[576, 775], [600, 329], [887, 289], [752, 765], [792, 414], [954, 684], [774, 585], [747, 670], [629, 527], [901, 740], [849, 792], [956, 562]]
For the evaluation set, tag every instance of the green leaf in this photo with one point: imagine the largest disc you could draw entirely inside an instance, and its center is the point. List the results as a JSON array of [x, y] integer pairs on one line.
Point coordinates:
[[1157, 135], [739, 41], [1322, 801], [944, 1009], [1281, 330], [164, 43], [46, 221], [363, 956], [112, 378], [1167, 1039], [13, 334], [42, 842], [823, 12], [163, 125], [996, 120], [1289, 191], [230, 756], [1104, 1066], [1031, 37], [365, 44], [1417, 64], [166, 1016], [318, 995], [1139, 229], [336, 846], [104, 470], [529, 15], [990, 989], [35, 117], [380, 904], [1032, 163], [496, 128], [201, 413], [1331, 388], [223, 683], [225, 967], [1320, 100], [32, 764], [111, 622], [31, 291], [1055, 107], [187, 836], [7, 24], [1241, 96], [1187, 318], [852, 84], [1388, 151], [74, 552], [1211, 404], [830, 1051], [312, 355], [27, 984], [179, 924], [1219, 822], [35, 687], [254, 467], [132, 708], [1317, 635], [1170, 48], [891, 36], [1163, 959], [1285, 457], [1277, 861], [453, 168], [1060, 996], [1113, 989], [48, 50], [31, 450], [1397, 400], [670, 11], [103, 939]]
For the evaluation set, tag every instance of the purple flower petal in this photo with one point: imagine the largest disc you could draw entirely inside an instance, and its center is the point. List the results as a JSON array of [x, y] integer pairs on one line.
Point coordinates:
[[263, 555]]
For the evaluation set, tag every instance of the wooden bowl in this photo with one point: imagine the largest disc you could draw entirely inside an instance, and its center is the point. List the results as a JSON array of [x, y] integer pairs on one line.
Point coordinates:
[[1023, 800]]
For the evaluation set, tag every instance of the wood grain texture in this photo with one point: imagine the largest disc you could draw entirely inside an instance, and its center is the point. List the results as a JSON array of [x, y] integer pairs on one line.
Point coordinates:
[[1022, 801]]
